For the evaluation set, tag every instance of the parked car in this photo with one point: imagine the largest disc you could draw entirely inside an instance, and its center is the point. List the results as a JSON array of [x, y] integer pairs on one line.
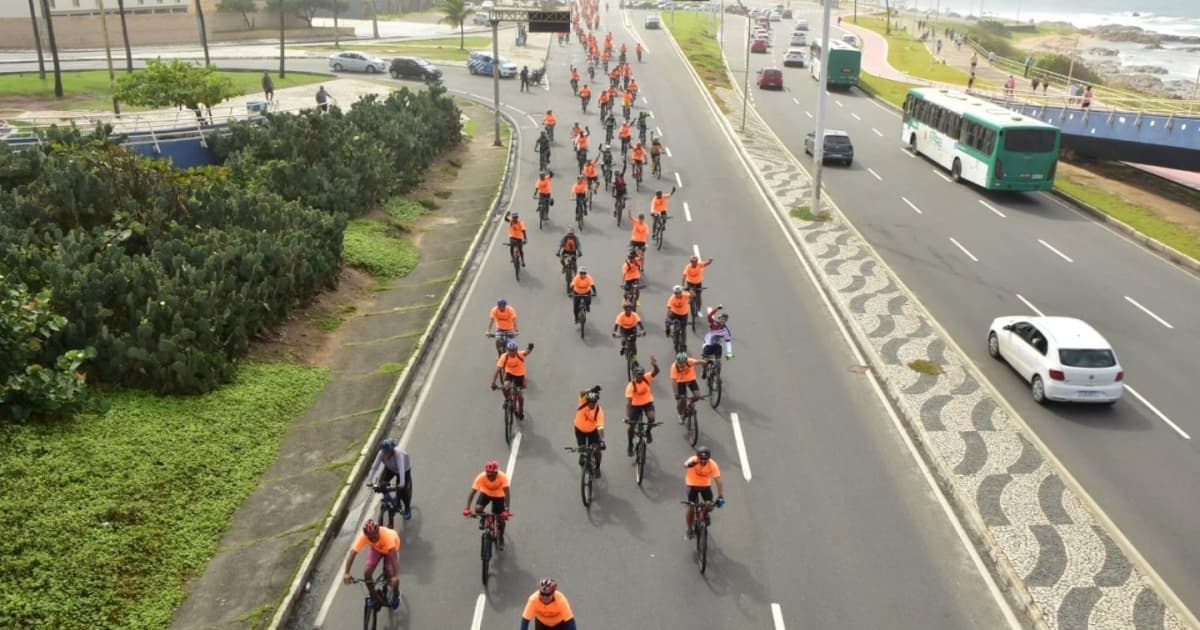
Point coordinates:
[[758, 46], [480, 19], [356, 62], [481, 63], [1062, 358], [487, 4], [770, 78], [838, 147], [413, 68], [652, 22], [794, 58], [468, 5]]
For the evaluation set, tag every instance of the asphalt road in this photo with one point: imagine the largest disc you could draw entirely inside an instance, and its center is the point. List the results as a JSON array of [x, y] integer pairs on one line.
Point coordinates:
[[971, 255], [828, 518]]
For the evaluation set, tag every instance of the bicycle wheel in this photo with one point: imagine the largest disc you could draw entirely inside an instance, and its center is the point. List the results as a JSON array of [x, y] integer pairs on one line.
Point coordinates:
[[508, 422], [585, 482], [714, 387], [485, 552], [639, 458], [695, 310], [581, 317], [692, 421], [630, 362], [658, 235], [543, 215], [516, 261], [369, 611], [702, 545]]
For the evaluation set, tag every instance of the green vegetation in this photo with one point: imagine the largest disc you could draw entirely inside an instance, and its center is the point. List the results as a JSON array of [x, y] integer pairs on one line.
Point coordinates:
[[143, 493], [89, 89], [804, 213], [1140, 219], [925, 367], [428, 203], [888, 90], [455, 13], [327, 323], [698, 42], [910, 56], [373, 247], [432, 49], [404, 212], [390, 368]]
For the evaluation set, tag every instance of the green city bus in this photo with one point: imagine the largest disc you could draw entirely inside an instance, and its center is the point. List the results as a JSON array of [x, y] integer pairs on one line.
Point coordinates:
[[845, 62], [979, 141]]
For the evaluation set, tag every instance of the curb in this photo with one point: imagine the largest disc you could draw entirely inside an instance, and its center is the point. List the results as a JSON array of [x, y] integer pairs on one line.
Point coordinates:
[[431, 338]]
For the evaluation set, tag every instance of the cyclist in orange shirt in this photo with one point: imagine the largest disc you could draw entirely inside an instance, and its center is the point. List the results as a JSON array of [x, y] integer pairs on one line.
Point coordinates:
[[549, 121], [639, 50], [582, 288], [678, 308], [640, 231], [638, 155], [639, 401], [516, 235], [629, 326], [627, 100], [579, 190], [631, 271], [626, 135], [591, 173], [589, 423], [702, 471], [548, 608], [574, 80], [504, 318], [605, 100], [544, 189], [585, 96], [693, 277], [512, 365], [385, 545], [633, 87], [683, 374], [659, 205], [492, 486]]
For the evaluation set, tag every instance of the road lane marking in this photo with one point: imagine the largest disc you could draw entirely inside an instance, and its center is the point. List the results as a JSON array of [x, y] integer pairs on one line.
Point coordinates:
[[532, 120], [964, 249], [796, 100], [839, 103], [1148, 312], [678, 182], [943, 176], [696, 250], [1030, 305], [644, 101], [910, 154], [777, 616], [741, 444], [658, 131], [512, 456], [993, 209], [651, 112], [687, 212], [809, 114], [1158, 413], [910, 205], [872, 171], [515, 109], [877, 132], [855, 116], [668, 150], [1051, 248], [477, 616]]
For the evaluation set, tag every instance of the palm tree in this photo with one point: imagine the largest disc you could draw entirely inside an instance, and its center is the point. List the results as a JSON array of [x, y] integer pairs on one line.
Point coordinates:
[[37, 41], [58, 87], [455, 13], [203, 32], [125, 36]]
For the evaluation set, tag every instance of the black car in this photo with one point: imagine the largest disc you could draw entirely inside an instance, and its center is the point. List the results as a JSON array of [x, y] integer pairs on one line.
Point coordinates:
[[838, 147], [413, 68]]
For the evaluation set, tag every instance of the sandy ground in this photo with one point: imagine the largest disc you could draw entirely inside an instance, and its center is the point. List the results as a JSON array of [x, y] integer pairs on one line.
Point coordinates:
[[1062, 44]]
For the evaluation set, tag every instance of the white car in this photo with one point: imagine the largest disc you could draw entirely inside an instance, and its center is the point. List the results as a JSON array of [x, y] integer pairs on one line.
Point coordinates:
[[801, 25], [799, 38], [357, 62], [1062, 358], [487, 4], [795, 58], [652, 22]]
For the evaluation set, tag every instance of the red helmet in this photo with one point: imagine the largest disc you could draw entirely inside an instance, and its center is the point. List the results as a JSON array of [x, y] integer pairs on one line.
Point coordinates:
[[371, 529], [492, 466]]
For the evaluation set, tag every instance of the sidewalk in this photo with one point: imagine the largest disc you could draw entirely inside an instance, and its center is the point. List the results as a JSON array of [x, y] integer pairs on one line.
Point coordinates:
[[274, 529]]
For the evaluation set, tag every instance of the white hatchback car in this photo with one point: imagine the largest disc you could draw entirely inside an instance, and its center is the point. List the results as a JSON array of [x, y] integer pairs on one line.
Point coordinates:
[[354, 61], [1062, 358]]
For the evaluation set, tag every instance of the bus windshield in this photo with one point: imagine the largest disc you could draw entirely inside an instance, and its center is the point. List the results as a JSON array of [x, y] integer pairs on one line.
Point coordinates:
[[1029, 140]]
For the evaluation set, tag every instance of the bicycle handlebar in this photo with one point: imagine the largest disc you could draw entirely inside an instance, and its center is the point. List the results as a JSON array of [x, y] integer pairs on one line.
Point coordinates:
[[648, 424]]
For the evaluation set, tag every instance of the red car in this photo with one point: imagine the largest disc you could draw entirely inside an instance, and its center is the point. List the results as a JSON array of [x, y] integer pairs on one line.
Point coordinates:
[[758, 46], [771, 78]]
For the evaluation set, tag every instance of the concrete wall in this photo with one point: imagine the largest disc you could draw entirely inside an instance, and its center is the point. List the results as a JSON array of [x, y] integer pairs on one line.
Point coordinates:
[[83, 31]]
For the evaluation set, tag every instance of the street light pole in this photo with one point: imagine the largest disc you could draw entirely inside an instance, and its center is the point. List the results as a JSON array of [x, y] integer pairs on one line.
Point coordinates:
[[112, 81], [746, 80], [819, 132], [496, 75]]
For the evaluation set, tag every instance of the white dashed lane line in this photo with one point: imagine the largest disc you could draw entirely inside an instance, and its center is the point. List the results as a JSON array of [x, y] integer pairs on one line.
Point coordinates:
[[993, 209], [855, 116], [839, 103], [741, 443], [696, 250], [872, 171], [963, 249], [911, 205], [943, 176], [1030, 305], [1161, 415], [687, 212], [1148, 312], [777, 616], [678, 182], [877, 132], [796, 101], [809, 114], [1051, 248]]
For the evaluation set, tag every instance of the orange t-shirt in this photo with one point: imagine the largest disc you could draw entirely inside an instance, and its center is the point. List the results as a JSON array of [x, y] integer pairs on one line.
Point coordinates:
[[491, 487], [585, 91], [550, 119], [544, 186], [694, 274], [626, 131], [638, 154], [627, 99], [639, 393], [589, 171], [556, 612], [580, 188], [658, 205], [631, 271], [701, 475], [389, 541], [681, 305], [506, 320], [582, 285], [516, 229], [640, 232], [687, 374], [588, 420], [513, 365], [628, 322], [583, 142], [605, 97]]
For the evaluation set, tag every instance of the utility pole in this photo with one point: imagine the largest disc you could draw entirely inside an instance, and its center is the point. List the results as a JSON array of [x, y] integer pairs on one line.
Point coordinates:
[[203, 32], [746, 79], [819, 132], [58, 86], [496, 75], [125, 36], [37, 41], [282, 71], [112, 80]]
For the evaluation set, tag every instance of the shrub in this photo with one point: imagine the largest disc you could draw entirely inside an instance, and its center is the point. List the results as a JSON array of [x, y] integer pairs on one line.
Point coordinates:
[[1061, 64], [994, 43]]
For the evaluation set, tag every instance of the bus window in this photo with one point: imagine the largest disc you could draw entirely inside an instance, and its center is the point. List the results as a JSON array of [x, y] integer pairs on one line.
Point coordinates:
[[1029, 140]]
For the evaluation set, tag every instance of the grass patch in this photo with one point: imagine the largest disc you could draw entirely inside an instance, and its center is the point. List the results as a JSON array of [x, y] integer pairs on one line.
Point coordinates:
[[925, 367], [434, 49], [88, 89], [910, 56], [1135, 217], [371, 246], [698, 41], [143, 493], [390, 368], [804, 213], [428, 202], [327, 323], [893, 92], [404, 212]]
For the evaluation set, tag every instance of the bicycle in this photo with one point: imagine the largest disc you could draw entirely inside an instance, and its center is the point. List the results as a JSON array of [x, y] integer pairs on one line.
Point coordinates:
[[678, 337], [691, 419], [575, 87], [377, 597], [581, 158], [543, 160], [656, 165], [712, 380], [632, 293], [606, 172], [589, 469], [491, 537], [511, 396], [625, 110], [639, 447], [550, 132], [583, 101], [637, 175], [389, 504], [629, 351], [502, 337], [581, 203], [659, 229], [618, 207], [570, 265], [581, 311], [543, 210], [517, 253], [696, 303], [700, 525]]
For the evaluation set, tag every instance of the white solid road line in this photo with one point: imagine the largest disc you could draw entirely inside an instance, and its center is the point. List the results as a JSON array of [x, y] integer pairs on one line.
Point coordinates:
[[696, 250], [855, 116], [532, 120], [687, 212], [877, 132], [964, 249], [1030, 305], [777, 616], [512, 457], [1161, 415], [993, 209], [943, 176], [1051, 248], [741, 445], [678, 182], [644, 101], [1148, 312], [910, 205], [477, 617], [872, 171]]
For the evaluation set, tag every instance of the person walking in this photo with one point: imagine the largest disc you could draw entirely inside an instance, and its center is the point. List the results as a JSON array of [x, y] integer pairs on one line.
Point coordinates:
[[268, 86], [971, 81], [1028, 65], [1010, 86], [974, 61], [524, 78], [1035, 84], [323, 99], [1087, 98]]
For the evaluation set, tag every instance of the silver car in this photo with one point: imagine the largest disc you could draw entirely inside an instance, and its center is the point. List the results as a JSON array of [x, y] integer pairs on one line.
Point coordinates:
[[357, 62]]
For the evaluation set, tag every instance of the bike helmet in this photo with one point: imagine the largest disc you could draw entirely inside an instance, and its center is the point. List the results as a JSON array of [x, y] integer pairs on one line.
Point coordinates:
[[657, 193], [583, 271], [592, 396], [549, 111], [501, 303], [628, 306], [492, 466], [570, 231], [387, 445], [370, 529], [677, 290], [511, 345], [547, 586], [703, 452], [632, 254], [681, 358], [515, 215], [723, 317], [639, 371]]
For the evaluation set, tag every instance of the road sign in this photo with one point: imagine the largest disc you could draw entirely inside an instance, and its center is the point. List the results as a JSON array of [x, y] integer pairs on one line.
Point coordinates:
[[549, 21]]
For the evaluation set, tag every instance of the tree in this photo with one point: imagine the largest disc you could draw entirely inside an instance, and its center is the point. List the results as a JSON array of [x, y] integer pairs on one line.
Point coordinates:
[[37, 42], [203, 31], [455, 12], [125, 35], [244, 7], [887, 13], [176, 84], [58, 86]]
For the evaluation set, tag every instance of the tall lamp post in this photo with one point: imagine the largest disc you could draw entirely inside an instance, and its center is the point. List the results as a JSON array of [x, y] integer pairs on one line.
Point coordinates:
[[819, 132]]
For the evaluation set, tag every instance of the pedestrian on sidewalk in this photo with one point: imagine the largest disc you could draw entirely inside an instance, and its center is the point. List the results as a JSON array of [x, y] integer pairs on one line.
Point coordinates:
[[939, 46], [1010, 86], [971, 80], [1087, 98], [1028, 65], [1045, 86], [323, 99], [974, 61], [1035, 84], [992, 57], [268, 86], [524, 78]]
